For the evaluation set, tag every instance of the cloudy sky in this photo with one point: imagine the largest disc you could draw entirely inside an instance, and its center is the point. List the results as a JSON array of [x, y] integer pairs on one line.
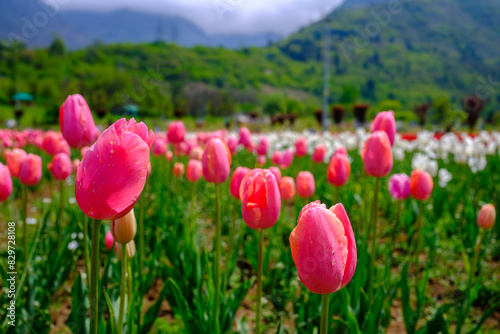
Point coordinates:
[[227, 16]]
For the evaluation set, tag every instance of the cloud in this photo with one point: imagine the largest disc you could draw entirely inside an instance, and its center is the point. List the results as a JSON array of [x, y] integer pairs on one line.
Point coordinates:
[[227, 16]]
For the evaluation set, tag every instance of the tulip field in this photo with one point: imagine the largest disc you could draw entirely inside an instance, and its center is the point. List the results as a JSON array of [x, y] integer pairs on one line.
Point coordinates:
[[128, 229]]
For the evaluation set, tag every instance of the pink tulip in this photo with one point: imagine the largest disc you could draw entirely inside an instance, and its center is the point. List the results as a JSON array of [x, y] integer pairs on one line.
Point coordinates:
[[341, 150], [399, 186], [421, 184], [276, 158], [31, 170], [5, 182], [159, 147], [169, 155], [60, 167], [194, 170], [245, 137], [216, 161], [301, 147], [232, 144], [305, 184], [176, 132], [261, 160], [286, 159], [109, 241], [148, 174], [51, 142], [263, 146], [287, 188], [323, 248], [377, 154], [260, 199], [277, 172], [319, 154], [385, 121], [84, 150], [238, 176], [196, 153], [339, 169], [15, 159], [77, 123], [74, 165], [178, 169], [112, 174], [486, 217]]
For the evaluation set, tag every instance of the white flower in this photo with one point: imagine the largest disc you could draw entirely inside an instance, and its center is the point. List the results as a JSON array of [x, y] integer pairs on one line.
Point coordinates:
[[73, 245], [444, 177]]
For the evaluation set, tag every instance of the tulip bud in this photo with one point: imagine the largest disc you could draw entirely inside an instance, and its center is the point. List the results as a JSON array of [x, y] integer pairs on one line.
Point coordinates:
[[60, 167], [245, 137], [319, 154], [277, 172], [286, 159], [399, 186], [109, 241], [323, 248], [196, 153], [5, 183], [51, 142], [486, 217], [377, 154], [75, 164], [305, 184], [123, 229], [15, 159], [421, 184], [77, 123], [216, 161], [385, 121], [130, 250], [176, 132], [159, 147], [276, 158], [31, 170], [178, 169], [263, 146], [287, 188], [301, 147], [194, 170], [339, 169], [260, 199], [235, 183]]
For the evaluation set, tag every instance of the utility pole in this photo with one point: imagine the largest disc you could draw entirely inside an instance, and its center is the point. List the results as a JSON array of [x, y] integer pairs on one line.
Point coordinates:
[[326, 89]]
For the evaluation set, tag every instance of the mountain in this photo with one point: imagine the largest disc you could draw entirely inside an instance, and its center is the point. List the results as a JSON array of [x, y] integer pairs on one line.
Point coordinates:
[[36, 23], [415, 52]]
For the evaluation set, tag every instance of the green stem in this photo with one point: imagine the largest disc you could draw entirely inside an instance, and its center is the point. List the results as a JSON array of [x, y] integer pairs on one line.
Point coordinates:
[[129, 281], [123, 286], [324, 313], [336, 195], [25, 224], [217, 255], [94, 275], [373, 226], [60, 211], [259, 282], [415, 248], [141, 237], [86, 247]]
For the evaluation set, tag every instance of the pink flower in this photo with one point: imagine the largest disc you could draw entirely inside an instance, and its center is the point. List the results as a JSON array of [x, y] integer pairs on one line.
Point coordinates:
[[260, 199], [232, 144], [60, 167], [75, 164], [377, 154], [287, 188], [5, 183], [31, 170], [194, 170], [196, 153], [385, 121], [486, 217], [51, 142], [277, 172], [421, 184], [339, 169], [159, 147], [238, 175], [245, 137], [263, 146], [276, 158], [178, 169], [109, 241], [399, 186], [301, 147], [15, 159], [112, 173], [176, 132], [319, 154], [77, 123], [286, 159], [323, 248], [216, 161], [261, 160], [305, 184]]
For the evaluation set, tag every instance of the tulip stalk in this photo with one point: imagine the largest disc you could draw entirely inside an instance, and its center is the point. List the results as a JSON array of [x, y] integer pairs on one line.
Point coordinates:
[[217, 254], [141, 235], [24, 196], [324, 313], [60, 211], [94, 275], [373, 225], [85, 246], [123, 287], [259, 282]]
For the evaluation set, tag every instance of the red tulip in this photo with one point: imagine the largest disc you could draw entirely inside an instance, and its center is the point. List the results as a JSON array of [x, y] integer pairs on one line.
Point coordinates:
[[109, 240], [486, 217], [77, 123], [339, 170], [31, 170], [194, 170], [5, 183], [385, 121], [260, 199], [176, 132], [112, 173], [301, 147], [60, 167], [276, 158], [238, 176], [277, 172], [15, 159], [216, 161], [51, 142], [287, 188], [377, 154], [263, 146], [305, 184], [319, 154], [421, 184], [178, 169], [323, 248]]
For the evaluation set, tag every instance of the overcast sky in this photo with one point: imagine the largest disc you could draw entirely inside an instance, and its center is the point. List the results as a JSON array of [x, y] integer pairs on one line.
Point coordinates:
[[227, 16]]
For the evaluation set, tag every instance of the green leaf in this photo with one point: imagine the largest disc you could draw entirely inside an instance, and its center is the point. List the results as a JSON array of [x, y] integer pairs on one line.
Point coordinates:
[[152, 313], [278, 331], [408, 313], [77, 319], [438, 324], [112, 318], [485, 316]]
